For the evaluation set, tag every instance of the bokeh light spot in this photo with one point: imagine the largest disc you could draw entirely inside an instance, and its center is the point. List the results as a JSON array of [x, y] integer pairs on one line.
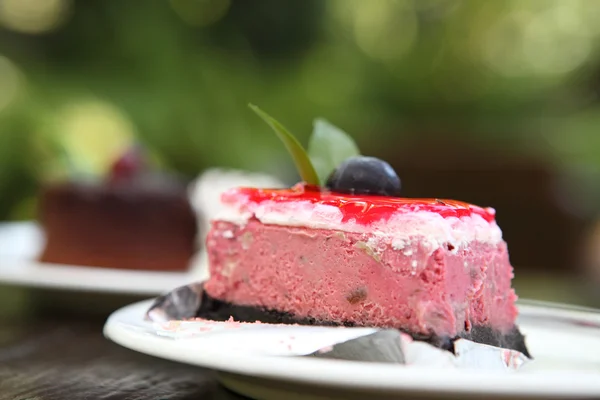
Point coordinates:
[[10, 82], [501, 48], [201, 12], [551, 39], [578, 16], [34, 16], [549, 49], [385, 30], [94, 132]]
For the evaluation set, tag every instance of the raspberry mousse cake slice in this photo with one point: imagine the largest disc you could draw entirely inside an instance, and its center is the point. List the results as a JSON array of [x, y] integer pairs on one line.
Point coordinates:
[[352, 252]]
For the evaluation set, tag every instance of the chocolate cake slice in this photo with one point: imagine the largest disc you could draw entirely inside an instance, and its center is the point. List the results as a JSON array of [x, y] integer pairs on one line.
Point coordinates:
[[137, 218]]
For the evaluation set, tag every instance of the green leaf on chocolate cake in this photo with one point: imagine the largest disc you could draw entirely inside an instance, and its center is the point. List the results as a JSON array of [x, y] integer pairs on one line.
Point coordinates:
[[328, 147], [301, 159]]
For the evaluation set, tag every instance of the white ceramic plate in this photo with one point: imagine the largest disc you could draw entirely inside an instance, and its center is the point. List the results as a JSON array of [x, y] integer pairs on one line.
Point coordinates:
[[565, 342], [22, 242]]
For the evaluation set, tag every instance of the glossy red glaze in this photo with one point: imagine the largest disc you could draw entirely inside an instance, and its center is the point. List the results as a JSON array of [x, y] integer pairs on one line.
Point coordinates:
[[366, 209]]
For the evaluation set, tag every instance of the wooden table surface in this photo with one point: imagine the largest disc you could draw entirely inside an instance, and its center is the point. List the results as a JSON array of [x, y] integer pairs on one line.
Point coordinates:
[[49, 352]]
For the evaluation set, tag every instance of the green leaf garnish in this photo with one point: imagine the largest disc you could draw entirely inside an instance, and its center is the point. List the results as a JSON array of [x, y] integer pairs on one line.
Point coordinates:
[[301, 159], [328, 147]]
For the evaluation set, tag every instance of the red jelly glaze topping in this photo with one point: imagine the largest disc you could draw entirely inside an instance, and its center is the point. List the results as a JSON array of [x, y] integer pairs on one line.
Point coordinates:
[[365, 209]]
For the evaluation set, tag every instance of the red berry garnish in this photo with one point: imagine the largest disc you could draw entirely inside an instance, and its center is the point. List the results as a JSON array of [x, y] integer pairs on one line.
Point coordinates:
[[128, 165]]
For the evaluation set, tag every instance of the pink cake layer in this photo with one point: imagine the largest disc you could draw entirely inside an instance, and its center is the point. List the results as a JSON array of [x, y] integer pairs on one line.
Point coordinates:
[[364, 278]]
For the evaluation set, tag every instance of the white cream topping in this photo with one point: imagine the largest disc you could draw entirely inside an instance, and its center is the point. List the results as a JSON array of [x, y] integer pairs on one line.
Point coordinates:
[[400, 229], [205, 193], [205, 197]]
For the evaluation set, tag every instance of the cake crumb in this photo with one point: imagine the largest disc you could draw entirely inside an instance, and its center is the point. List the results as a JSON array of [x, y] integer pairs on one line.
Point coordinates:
[[340, 235], [357, 295], [247, 239], [368, 250], [229, 267], [399, 244]]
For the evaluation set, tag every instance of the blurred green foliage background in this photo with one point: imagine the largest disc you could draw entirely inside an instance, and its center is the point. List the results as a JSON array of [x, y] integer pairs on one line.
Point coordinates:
[[514, 78]]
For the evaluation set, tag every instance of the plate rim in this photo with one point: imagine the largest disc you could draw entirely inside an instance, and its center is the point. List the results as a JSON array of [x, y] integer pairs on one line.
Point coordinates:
[[36, 274], [554, 384], [26, 270]]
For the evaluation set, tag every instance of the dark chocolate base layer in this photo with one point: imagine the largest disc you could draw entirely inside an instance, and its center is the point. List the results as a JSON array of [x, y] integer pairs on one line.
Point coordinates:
[[217, 310]]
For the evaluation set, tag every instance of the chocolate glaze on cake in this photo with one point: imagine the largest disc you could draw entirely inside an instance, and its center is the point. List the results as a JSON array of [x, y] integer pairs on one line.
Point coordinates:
[[145, 223]]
